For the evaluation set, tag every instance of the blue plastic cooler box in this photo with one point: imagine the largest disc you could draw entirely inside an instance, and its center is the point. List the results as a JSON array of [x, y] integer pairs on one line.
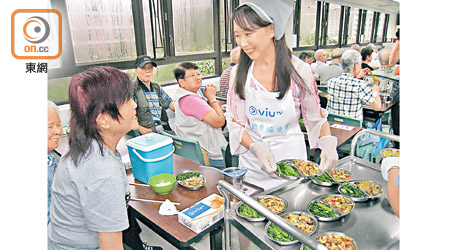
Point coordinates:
[[150, 154]]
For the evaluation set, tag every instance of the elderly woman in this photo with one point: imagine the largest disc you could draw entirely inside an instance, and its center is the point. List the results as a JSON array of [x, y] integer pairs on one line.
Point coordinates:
[[54, 131], [196, 118], [347, 93], [89, 191]]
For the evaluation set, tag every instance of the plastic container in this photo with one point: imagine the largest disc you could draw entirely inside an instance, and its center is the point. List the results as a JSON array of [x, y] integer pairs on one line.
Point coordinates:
[[150, 154]]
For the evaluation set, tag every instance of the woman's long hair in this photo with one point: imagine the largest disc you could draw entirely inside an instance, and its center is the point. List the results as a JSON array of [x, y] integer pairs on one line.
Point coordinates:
[[247, 19], [98, 90]]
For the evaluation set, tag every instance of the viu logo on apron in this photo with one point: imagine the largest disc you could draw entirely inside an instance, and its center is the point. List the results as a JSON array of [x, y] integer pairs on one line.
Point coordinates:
[[266, 112]]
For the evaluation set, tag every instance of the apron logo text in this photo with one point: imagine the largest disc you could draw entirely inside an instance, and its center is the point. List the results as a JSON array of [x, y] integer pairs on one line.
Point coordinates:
[[266, 112]]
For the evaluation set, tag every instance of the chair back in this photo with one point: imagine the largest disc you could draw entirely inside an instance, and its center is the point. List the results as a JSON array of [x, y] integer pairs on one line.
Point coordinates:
[[347, 120], [230, 160], [187, 148]]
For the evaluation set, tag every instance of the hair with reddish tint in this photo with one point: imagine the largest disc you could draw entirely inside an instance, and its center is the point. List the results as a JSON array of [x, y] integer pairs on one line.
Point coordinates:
[[98, 90]]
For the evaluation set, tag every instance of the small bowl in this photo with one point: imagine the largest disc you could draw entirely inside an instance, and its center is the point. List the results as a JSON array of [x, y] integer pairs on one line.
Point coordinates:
[[162, 184], [303, 247]]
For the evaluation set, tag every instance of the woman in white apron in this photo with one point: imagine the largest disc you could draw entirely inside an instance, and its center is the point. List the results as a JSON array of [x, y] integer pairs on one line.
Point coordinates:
[[269, 89]]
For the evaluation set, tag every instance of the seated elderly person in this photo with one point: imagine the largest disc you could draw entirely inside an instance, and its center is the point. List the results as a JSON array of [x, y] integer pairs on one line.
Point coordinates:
[[54, 131], [152, 101], [347, 93], [197, 118], [235, 54], [332, 70], [321, 60], [366, 54], [383, 57], [306, 57]]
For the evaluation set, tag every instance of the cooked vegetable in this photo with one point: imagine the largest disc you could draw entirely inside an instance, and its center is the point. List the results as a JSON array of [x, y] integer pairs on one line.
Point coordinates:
[[353, 191], [390, 153], [193, 182], [322, 210], [370, 188], [335, 242], [340, 175], [246, 211], [274, 204], [325, 177], [302, 221], [286, 169], [276, 233], [187, 175], [307, 168], [339, 202]]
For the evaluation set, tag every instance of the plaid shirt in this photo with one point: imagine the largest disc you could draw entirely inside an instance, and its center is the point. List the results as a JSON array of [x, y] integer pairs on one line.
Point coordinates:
[[346, 95], [224, 82], [154, 102]]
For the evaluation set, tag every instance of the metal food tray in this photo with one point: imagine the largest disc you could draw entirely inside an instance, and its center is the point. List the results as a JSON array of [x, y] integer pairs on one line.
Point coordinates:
[[329, 184], [287, 243], [338, 212], [292, 164], [191, 188], [372, 224], [369, 197]]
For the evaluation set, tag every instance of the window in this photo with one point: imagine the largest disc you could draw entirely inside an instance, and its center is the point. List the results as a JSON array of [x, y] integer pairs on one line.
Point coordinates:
[[380, 29], [353, 25], [368, 27], [334, 14], [101, 30], [226, 27], [308, 22], [193, 26], [154, 33]]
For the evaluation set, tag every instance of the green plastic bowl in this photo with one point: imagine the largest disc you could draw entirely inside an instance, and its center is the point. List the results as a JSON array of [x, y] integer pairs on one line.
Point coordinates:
[[162, 184]]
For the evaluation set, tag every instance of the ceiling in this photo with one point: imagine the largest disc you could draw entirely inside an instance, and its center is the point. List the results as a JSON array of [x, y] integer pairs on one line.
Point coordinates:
[[378, 5]]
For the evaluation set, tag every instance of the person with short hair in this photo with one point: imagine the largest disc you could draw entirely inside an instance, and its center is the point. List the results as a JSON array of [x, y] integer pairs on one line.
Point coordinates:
[[152, 101], [225, 77], [306, 57], [356, 47], [334, 69], [197, 118], [88, 209], [54, 132], [383, 57], [321, 59], [347, 93], [366, 54]]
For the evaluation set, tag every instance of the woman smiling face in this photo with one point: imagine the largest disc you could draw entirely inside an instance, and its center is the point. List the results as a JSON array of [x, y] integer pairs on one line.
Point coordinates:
[[255, 43]]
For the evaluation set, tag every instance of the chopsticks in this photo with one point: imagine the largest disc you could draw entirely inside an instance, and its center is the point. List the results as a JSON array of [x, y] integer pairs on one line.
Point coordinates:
[[138, 199], [138, 184]]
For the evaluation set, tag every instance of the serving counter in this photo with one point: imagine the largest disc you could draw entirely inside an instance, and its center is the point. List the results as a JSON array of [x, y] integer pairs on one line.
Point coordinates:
[[372, 224]]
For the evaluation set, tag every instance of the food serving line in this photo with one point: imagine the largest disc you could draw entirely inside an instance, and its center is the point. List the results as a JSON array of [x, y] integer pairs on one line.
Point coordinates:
[[372, 223]]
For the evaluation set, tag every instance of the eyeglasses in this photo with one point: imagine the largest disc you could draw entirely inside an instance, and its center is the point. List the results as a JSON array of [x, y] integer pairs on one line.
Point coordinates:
[[194, 75]]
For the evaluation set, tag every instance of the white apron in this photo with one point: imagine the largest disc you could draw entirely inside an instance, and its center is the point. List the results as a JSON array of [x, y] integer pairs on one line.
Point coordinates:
[[273, 122]]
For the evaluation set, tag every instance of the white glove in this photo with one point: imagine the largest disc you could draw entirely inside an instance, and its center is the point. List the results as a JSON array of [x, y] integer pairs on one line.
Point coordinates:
[[265, 159], [329, 156], [387, 164]]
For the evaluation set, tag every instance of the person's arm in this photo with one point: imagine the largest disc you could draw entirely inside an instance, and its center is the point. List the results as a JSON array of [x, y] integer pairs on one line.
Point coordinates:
[[110, 240], [144, 130], [395, 54], [172, 106], [376, 104], [215, 116], [393, 190]]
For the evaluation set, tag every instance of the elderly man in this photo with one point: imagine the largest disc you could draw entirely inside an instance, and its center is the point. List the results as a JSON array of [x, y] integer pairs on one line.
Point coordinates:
[[356, 47], [383, 57], [346, 93], [306, 57], [321, 60], [225, 77], [152, 101], [332, 70]]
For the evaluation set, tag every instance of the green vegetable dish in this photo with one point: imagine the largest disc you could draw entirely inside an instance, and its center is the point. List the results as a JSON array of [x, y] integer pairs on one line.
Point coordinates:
[[322, 210], [325, 177], [286, 169], [246, 211], [352, 191], [187, 175], [278, 234]]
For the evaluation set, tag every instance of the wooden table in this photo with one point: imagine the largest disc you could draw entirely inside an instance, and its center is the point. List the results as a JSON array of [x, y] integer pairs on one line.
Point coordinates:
[[168, 227], [341, 134]]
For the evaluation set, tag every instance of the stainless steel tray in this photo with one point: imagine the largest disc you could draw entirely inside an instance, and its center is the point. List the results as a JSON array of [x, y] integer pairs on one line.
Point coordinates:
[[384, 225], [287, 243]]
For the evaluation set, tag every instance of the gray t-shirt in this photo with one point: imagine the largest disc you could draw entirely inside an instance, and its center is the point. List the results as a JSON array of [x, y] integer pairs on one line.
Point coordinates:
[[87, 199], [329, 71]]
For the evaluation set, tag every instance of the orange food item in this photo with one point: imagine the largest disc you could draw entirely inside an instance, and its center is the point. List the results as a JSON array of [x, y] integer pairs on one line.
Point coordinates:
[[216, 202]]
